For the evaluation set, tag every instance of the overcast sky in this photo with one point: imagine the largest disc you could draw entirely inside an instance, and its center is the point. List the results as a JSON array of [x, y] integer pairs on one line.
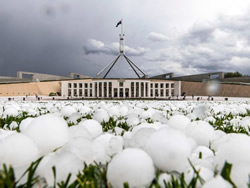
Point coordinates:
[[180, 36]]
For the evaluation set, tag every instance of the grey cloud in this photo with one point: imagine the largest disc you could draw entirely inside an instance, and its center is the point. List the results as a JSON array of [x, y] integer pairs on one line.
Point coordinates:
[[93, 46], [157, 37]]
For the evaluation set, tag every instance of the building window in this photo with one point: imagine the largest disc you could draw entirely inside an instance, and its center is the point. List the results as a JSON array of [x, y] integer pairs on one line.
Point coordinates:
[[156, 85], [69, 85], [146, 89], [86, 92], [127, 92], [151, 92], [172, 85], [167, 85], [100, 89], [69, 92], [172, 92], [90, 92], [120, 84], [115, 92], [75, 92], [86, 85], [162, 85], [75, 85], [151, 85], [167, 92], [121, 92], [80, 85], [156, 93], [162, 93], [90, 85], [80, 92], [142, 89], [96, 89]]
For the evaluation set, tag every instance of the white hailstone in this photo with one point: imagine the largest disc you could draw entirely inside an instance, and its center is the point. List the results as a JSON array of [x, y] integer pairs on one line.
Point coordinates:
[[133, 166], [178, 122], [147, 113], [119, 131], [84, 110], [105, 146], [240, 174], [25, 123], [205, 173], [79, 131], [139, 138], [217, 182], [18, 150], [13, 125], [132, 121], [64, 162], [163, 179], [101, 115], [144, 125], [201, 132], [93, 126], [157, 116], [53, 109], [67, 111], [123, 110], [5, 133], [114, 111], [245, 122], [200, 111], [210, 119], [74, 117], [233, 148], [48, 131], [219, 133], [169, 149], [81, 148], [204, 151], [10, 111]]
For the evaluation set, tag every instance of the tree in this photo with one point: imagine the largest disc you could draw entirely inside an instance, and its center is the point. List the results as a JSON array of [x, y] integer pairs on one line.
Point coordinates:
[[232, 74]]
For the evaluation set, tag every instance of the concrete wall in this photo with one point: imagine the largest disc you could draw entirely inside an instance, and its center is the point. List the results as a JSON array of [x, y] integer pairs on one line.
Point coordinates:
[[227, 90], [34, 88]]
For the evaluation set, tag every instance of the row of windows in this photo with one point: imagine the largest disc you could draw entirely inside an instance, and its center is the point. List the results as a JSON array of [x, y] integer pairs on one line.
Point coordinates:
[[121, 84], [120, 92]]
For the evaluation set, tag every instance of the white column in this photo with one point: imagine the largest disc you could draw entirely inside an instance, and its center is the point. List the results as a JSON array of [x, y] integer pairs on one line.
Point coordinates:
[[102, 89], [97, 89], [144, 89]]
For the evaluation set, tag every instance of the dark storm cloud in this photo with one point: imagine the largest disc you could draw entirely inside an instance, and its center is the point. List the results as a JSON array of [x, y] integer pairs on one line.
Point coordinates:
[[63, 36]]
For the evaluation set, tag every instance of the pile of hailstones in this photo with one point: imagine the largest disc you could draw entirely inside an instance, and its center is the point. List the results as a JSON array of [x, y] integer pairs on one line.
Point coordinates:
[[132, 157]]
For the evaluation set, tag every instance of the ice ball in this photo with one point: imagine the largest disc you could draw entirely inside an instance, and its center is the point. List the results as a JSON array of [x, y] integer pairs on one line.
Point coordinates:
[[101, 115], [18, 150], [169, 149], [48, 131], [178, 122], [93, 126], [133, 166], [202, 132]]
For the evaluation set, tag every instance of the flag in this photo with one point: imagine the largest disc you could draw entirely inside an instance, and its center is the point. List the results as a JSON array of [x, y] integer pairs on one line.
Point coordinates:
[[120, 22]]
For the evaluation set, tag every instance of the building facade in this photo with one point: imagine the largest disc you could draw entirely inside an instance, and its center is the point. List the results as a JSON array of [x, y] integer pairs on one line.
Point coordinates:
[[120, 88]]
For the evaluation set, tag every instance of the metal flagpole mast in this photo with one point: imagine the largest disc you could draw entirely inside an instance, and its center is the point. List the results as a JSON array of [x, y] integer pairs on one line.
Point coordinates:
[[134, 67], [121, 39]]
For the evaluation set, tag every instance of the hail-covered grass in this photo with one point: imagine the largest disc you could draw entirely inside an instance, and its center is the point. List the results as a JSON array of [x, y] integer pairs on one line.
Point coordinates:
[[169, 144]]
